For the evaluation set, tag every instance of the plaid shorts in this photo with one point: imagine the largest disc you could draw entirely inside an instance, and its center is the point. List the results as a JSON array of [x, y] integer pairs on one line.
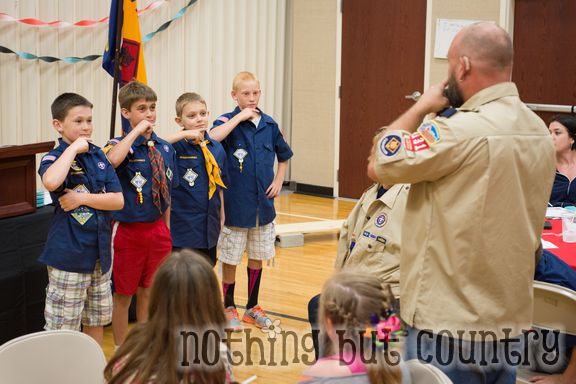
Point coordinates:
[[73, 297], [258, 242]]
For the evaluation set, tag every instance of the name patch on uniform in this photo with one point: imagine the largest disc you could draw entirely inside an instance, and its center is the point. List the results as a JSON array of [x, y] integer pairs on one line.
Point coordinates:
[[372, 236], [430, 132], [381, 220], [390, 145]]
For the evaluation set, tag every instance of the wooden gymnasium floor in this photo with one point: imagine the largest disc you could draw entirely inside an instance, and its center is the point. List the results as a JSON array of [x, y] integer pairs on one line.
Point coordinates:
[[285, 289]]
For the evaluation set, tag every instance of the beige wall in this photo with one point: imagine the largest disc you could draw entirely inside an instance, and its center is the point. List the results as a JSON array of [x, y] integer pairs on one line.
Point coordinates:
[[314, 91], [487, 10], [315, 108]]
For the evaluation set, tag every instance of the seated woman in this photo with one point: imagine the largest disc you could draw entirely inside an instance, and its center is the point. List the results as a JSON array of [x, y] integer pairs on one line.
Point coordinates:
[[563, 131]]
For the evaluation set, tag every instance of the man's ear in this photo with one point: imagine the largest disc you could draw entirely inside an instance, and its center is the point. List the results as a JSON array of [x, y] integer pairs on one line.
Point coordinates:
[[233, 94], [57, 124], [465, 66], [178, 120]]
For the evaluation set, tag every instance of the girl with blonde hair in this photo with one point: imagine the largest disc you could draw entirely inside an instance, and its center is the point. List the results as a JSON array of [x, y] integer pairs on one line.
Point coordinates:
[[357, 324]]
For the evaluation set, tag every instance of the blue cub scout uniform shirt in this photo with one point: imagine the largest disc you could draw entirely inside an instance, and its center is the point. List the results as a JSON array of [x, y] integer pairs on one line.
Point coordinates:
[[137, 166], [78, 238], [563, 191], [195, 220], [245, 196]]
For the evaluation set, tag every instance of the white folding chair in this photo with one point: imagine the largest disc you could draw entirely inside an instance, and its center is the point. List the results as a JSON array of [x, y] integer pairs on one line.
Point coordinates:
[[421, 373], [554, 308], [63, 357]]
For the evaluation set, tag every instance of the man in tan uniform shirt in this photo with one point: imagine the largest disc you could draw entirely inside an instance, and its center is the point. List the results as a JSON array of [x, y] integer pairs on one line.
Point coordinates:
[[370, 237], [480, 179], [370, 240]]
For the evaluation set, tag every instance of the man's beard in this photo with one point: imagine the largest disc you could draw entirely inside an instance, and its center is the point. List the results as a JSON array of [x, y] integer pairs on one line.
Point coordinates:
[[453, 93]]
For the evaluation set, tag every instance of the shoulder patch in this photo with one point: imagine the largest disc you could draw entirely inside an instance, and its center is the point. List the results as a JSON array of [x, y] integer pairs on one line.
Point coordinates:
[[430, 132], [223, 118], [415, 142], [48, 158], [390, 145]]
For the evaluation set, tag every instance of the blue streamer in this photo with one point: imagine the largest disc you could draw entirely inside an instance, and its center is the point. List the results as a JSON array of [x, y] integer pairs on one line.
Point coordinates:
[[75, 59]]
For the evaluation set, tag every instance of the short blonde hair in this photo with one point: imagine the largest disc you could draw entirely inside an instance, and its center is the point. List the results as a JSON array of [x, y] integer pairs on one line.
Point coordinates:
[[185, 98], [243, 76]]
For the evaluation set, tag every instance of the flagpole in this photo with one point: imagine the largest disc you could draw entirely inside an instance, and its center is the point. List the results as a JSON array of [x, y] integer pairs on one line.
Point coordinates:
[[119, 22]]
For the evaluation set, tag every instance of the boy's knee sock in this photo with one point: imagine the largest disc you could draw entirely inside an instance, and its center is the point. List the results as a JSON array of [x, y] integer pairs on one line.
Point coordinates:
[[253, 286], [228, 291]]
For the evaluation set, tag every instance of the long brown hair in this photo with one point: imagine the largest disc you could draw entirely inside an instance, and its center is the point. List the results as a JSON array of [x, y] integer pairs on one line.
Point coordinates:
[[349, 299], [185, 296]]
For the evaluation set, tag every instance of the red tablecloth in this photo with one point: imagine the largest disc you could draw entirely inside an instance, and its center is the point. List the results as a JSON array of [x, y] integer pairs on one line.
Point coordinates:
[[565, 251]]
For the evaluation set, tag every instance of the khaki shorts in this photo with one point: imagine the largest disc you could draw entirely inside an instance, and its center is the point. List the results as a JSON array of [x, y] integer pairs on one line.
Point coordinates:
[[73, 297], [257, 242]]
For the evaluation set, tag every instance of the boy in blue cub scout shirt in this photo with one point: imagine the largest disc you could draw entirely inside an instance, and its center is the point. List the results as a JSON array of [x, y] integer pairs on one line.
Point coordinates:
[[84, 188], [197, 209], [145, 165], [252, 141]]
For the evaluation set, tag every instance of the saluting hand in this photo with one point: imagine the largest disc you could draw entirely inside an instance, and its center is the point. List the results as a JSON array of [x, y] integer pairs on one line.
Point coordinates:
[[71, 200], [194, 135], [144, 127], [433, 100], [248, 114], [81, 144]]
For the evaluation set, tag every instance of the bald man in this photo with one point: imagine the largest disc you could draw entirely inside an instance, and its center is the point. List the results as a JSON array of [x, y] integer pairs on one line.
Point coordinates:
[[481, 176]]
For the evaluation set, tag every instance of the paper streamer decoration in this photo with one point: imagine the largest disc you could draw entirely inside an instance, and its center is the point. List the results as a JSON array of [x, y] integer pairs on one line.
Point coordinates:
[[75, 59], [81, 23]]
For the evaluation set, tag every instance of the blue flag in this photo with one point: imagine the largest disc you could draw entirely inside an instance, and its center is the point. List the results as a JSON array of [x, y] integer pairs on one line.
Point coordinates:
[[108, 57]]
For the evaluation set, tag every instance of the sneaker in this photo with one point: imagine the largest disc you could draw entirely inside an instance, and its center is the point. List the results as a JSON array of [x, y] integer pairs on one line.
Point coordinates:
[[257, 316], [233, 319]]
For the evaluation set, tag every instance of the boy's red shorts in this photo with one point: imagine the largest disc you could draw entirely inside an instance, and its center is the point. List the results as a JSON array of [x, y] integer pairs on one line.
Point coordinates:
[[139, 248]]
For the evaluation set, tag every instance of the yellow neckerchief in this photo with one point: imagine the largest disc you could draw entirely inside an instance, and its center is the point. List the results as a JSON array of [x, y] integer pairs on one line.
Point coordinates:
[[212, 169]]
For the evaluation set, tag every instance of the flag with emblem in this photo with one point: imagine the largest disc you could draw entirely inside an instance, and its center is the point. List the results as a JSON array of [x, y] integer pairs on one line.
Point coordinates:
[[131, 52]]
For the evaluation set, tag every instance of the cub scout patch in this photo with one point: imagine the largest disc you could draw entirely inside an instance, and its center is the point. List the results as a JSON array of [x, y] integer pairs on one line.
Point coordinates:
[[75, 167], [240, 154], [101, 165], [390, 145], [381, 220], [430, 132]]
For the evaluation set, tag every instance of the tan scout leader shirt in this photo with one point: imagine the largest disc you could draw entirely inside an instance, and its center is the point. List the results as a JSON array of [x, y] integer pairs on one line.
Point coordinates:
[[374, 227], [480, 183]]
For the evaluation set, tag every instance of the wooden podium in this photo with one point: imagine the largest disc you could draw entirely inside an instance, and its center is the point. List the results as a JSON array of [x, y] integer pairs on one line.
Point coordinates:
[[18, 178]]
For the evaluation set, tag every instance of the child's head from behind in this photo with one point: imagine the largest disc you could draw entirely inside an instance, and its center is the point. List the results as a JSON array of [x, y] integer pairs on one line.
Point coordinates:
[[137, 102], [348, 304], [72, 116], [185, 309], [185, 291], [191, 111], [246, 90]]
